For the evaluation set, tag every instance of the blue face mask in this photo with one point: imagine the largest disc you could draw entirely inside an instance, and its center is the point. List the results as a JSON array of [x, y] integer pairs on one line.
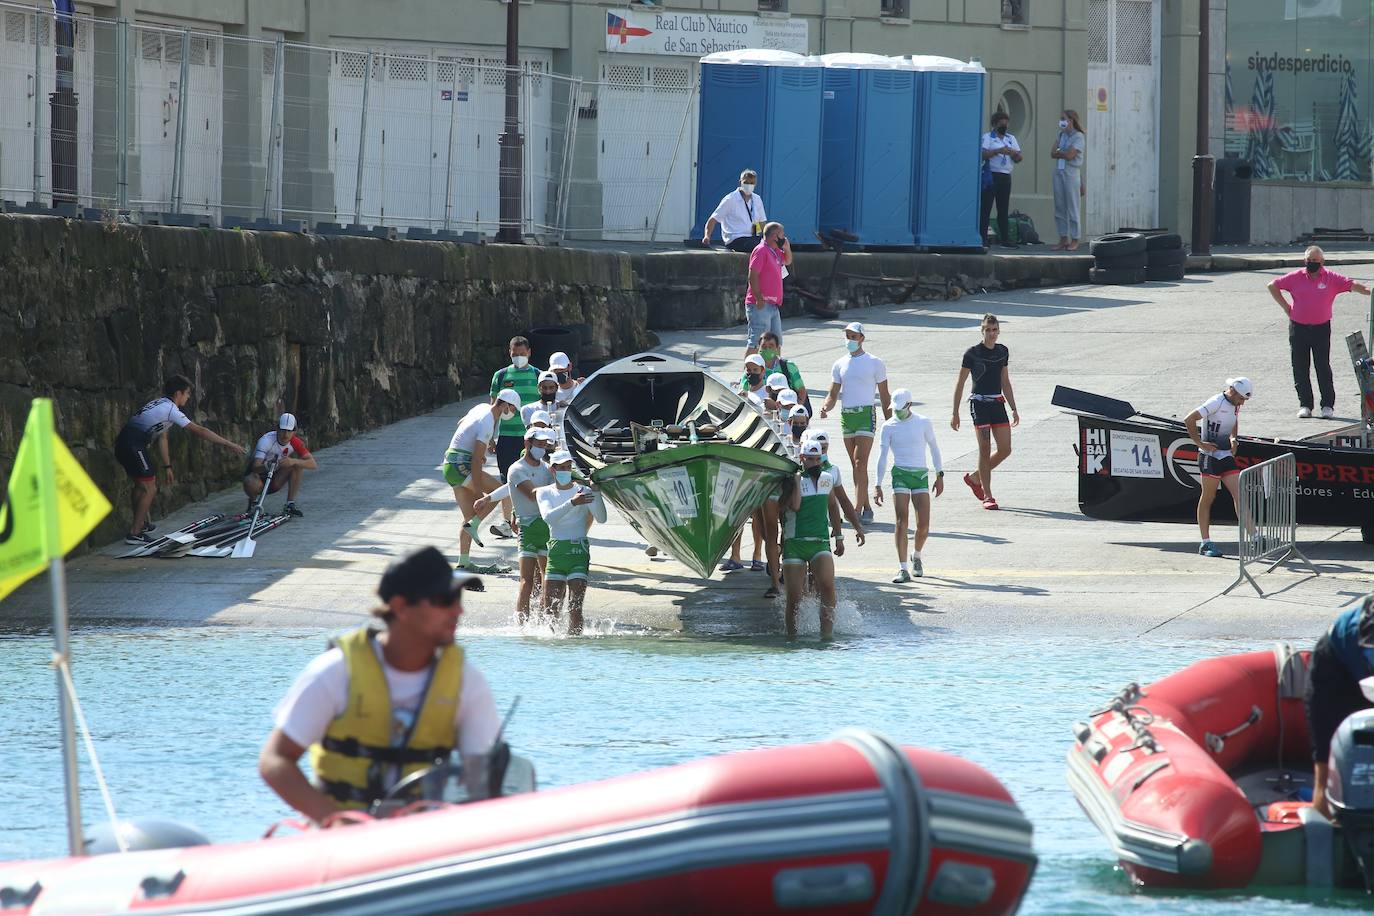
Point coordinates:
[[563, 477], [537, 453], [852, 346]]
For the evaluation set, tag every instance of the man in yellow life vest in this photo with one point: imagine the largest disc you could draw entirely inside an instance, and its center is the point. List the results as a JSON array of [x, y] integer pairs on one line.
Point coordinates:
[[382, 704]]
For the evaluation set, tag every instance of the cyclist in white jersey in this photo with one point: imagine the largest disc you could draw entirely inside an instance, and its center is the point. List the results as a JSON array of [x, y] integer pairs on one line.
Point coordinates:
[[1216, 447], [135, 440], [855, 379], [284, 450], [907, 436]]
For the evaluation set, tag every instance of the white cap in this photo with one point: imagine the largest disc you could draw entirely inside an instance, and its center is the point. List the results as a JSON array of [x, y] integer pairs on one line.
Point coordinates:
[[286, 421], [776, 380], [811, 447], [1244, 387], [547, 376], [798, 411], [818, 435], [787, 397], [753, 359], [561, 456], [559, 361], [900, 398], [540, 416], [540, 432], [510, 397], [855, 327]]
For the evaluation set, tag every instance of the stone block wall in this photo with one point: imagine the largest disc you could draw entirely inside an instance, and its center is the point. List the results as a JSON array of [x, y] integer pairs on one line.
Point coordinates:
[[348, 333]]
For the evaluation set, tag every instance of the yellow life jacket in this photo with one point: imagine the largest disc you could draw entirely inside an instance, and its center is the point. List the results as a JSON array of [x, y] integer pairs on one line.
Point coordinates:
[[356, 755]]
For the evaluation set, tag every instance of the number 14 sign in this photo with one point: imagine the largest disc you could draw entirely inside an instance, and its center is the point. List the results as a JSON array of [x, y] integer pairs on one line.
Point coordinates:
[[1136, 455]]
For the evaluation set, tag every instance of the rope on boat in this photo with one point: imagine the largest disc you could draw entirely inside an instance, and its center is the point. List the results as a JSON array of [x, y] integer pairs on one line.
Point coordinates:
[[60, 663]]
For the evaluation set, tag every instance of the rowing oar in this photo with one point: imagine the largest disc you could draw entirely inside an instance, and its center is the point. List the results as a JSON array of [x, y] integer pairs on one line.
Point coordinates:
[[1101, 405]]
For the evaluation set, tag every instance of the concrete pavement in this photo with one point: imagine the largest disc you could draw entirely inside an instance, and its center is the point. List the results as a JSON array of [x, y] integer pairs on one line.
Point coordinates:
[[1038, 566]]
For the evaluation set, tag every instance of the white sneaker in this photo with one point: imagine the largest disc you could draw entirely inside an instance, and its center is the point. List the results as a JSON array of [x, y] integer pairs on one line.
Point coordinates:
[[1328, 413], [1304, 413]]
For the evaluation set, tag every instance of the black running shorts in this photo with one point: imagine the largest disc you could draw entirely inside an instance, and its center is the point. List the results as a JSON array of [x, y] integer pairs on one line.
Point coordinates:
[[131, 451], [988, 414]]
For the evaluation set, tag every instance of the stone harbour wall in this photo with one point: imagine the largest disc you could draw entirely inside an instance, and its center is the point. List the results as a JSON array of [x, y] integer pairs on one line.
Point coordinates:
[[347, 333]]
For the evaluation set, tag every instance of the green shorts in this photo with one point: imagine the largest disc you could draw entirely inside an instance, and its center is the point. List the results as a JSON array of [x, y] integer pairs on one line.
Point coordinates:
[[858, 421], [910, 480], [804, 550], [567, 560], [534, 537], [457, 467]]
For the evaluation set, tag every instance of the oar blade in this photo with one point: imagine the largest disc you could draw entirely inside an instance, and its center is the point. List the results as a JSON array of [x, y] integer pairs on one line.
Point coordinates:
[[1087, 402]]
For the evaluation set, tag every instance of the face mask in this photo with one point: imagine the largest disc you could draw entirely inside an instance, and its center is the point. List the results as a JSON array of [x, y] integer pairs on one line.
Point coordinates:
[[508, 415], [537, 453], [814, 472], [754, 379], [747, 189], [561, 376], [547, 395], [904, 414], [768, 355], [1063, 124], [520, 362], [852, 346], [1001, 129], [1314, 266], [563, 477], [797, 430]]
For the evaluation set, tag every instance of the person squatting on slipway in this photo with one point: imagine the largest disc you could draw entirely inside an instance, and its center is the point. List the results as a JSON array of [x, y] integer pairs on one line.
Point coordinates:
[[464, 464], [907, 436], [1001, 152], [1314, 289], [526, 475], [987, 363], [135, 440], [1340, 682], [1216, 448], [283, 449], [1068, 179], [385, 702], [569, 509], [763, 301], [855, 379], [740, 215]]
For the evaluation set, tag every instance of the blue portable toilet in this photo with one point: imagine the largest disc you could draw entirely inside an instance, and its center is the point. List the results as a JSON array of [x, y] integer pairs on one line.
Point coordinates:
[[867, 145], [761, 109], [949, 130]]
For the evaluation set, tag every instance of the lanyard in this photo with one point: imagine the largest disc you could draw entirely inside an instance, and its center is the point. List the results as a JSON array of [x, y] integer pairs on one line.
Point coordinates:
[[748, 204]]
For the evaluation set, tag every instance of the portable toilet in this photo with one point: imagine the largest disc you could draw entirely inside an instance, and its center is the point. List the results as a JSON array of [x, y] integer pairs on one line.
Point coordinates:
[[948, 164], [761, 109], [867, 145]]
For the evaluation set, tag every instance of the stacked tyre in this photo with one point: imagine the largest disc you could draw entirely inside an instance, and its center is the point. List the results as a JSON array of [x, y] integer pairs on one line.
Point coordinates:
[[1124, 258], [1165, 256]]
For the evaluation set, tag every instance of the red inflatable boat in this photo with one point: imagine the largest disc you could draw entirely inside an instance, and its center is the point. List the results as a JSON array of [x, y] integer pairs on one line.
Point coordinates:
[[1198, 779], [852, 825]]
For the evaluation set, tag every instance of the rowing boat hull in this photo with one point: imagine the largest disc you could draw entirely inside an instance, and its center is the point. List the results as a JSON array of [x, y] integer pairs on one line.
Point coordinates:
[[692, 501]]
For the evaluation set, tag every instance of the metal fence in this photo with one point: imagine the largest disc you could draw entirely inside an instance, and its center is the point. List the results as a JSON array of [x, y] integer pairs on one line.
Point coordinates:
[[1267, 510], [154, 120]]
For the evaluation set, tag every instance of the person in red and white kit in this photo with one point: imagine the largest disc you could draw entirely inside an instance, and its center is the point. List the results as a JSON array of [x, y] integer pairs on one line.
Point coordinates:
[[292, 458], [1314, 289], [1216, 451]]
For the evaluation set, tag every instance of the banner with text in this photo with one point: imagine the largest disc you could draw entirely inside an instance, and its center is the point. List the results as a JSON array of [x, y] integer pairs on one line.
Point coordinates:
[[698, 34]]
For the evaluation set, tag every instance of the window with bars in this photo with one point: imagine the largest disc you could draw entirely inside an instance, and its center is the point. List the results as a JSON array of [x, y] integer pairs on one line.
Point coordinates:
[[1134, 32], [895, 9], [150, 45], [15, 27], [1015, 12], [350, 64], [1098, 46], [670, 79], [408, 69], [623, 76]]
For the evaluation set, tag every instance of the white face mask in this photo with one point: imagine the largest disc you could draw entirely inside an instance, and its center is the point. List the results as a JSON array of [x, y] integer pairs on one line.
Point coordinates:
[[747, 189], [563, 477], [520, 362], [1063, 124], [508, 415], [537, 453]]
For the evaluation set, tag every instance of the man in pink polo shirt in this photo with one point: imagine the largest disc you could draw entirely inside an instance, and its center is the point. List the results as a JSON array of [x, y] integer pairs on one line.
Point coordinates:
[[763, 301], [1313, 289]]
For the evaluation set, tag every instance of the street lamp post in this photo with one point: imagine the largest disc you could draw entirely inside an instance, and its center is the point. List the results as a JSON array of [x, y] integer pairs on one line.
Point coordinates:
[[511, 181]]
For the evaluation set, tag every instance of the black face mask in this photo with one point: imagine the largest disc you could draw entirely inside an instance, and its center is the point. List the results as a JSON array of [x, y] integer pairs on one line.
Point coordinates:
[[1314, 266], [1001, 129], [754, 379], [814, 472], [797, 430], [547, 397], [561, 376]]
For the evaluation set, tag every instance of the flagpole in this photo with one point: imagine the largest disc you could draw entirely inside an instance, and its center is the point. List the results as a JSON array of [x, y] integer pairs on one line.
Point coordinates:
[[57, 579]]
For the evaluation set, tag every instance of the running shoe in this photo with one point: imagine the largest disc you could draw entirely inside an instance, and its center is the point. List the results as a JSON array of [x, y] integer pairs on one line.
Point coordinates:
[[292, 509], [866, 515], [975, 486], [990, 503], [149, 527], [916, 568], [138, 540], [756, 566], [772, 592], [502, 530], [1328, 413], [1208, 549], [1304, 413], [474, 529], [902, 576], [731, 566]]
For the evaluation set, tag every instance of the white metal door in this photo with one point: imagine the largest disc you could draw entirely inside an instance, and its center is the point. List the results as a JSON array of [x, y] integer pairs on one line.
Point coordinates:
[[1122, 115], [159, 97]]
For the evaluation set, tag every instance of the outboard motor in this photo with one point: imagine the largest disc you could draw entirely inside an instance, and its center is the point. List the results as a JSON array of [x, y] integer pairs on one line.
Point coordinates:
[[1350, 788]]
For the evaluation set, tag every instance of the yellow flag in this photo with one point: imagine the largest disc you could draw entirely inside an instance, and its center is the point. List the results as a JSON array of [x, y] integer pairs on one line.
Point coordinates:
[[45, 473]]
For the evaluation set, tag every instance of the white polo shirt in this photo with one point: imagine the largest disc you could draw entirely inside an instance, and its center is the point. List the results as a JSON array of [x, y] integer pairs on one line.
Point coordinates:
[[737, 216], [1001, 162]]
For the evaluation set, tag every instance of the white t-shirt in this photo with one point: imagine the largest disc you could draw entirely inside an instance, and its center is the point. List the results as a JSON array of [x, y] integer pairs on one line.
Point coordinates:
[[1219, 418], [154, 417], [568, 522], [538, 474], [737, 216], [320, 695], [565, 395], [269, 448], [1002, 161], [907, 440], [858, 375], [477, 425], [529, 410]]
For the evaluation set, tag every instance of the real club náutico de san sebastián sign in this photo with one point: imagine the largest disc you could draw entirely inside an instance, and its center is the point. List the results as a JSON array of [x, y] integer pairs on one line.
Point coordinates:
[[686, 34]]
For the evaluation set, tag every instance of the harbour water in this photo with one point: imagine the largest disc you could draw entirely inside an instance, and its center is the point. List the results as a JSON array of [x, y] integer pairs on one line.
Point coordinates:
[[178, 715]]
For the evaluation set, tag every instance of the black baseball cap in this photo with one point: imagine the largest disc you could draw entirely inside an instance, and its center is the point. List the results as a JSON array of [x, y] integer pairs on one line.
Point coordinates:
[[424, 574]]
